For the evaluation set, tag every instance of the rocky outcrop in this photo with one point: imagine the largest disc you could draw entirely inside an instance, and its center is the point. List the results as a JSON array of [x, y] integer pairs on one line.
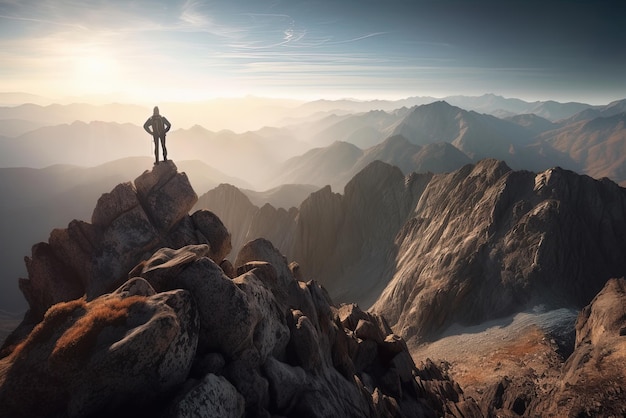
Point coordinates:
[[593, 381], [128, 224], [180, 338], [590, 383]]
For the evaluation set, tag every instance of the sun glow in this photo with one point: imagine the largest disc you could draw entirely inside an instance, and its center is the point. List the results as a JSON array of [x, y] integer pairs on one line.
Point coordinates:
[[95, 71]]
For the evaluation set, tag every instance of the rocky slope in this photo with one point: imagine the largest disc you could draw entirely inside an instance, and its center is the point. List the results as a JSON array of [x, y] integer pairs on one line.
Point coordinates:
[[137, 312]]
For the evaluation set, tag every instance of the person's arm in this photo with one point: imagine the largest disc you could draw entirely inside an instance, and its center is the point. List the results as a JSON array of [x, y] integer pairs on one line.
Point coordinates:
[[147, 126], [167, 124]]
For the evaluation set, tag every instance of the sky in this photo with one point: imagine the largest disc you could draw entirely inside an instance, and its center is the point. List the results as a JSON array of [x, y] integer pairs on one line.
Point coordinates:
[[189, 50]]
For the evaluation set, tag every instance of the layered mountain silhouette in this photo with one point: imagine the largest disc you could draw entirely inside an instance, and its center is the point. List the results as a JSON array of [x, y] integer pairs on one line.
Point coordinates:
[[597, 146], [136, 312], [290, 152], [338, 163]]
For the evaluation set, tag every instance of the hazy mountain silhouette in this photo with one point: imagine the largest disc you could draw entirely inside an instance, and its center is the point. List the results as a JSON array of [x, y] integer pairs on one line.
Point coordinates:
[[535, 124], [477, 135], [17, 127], [254, 155], [487, 103], [56, 114], [250, 156], [337, 164], [284, 196], [78, 143], [597, 146], [19, 98], [363, 130], [319, 166], [611, 109]]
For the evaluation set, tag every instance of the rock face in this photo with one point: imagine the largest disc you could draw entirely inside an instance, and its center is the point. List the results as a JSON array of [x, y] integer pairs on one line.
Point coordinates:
[[485, 242], [132, 314], [593, 380], [246, 221], [591, 383], [349, 238]]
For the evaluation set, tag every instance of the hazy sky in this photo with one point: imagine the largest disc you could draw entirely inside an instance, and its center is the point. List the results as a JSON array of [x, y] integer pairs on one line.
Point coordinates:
[[190, 50]]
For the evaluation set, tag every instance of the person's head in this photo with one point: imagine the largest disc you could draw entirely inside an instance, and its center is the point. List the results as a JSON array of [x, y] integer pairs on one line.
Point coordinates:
[[156, 110]]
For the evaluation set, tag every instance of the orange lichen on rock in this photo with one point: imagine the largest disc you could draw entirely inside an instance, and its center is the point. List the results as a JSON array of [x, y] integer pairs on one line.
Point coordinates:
[[82, 335], [53, 320]]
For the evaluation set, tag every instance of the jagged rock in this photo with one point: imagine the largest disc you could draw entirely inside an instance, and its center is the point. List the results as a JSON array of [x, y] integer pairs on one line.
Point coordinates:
[[285, 383], [167, 203], [271, 333], [304, 342], [95, 258], [111, 205], [220, 303], [263, 250], [95, 356], [216, 233], [164, 266]]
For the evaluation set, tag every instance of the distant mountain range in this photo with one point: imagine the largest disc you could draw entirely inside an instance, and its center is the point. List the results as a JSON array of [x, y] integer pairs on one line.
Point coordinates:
[[331, 147]]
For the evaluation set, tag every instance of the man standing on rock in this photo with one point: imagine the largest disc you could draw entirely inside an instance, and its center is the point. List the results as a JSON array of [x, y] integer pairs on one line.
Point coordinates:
[[160, 126]]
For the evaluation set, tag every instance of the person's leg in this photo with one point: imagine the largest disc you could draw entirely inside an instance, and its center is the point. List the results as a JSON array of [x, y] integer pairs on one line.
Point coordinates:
[[164, 149], [156, 149]]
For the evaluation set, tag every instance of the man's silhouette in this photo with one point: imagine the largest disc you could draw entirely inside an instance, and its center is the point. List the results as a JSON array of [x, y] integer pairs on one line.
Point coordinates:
[[160, 126]]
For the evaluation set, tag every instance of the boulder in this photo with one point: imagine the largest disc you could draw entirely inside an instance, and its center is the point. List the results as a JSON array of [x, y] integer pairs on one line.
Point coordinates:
[[95, 356], [213, 396], [213, 229], [111, 205]]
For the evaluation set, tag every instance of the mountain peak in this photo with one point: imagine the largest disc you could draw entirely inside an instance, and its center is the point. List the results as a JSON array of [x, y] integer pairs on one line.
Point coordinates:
[[514, 227]]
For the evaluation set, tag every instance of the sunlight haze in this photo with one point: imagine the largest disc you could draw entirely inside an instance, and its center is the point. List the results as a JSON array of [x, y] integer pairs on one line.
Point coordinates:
[[144, 51]]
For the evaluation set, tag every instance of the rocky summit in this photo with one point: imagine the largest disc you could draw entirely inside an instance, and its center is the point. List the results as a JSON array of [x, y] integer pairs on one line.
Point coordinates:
[[138, 313]]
